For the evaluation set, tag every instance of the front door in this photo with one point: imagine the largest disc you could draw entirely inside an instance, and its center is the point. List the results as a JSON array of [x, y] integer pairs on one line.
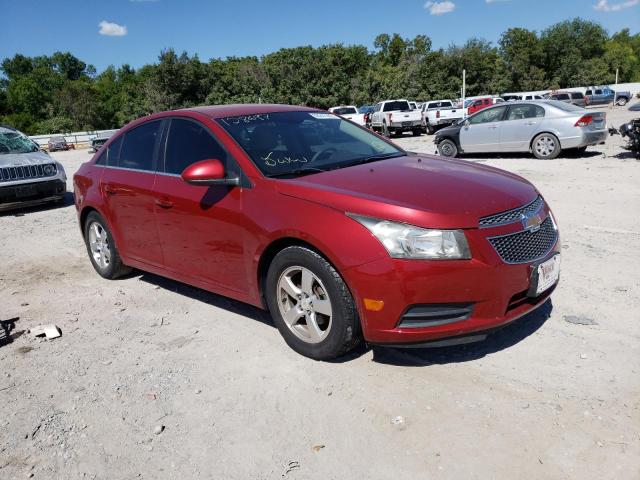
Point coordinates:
[[481, 132], [127, 186], [200, 227]]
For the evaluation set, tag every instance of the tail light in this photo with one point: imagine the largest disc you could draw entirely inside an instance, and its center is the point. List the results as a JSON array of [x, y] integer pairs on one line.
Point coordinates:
[[438, 114], [584, 120]]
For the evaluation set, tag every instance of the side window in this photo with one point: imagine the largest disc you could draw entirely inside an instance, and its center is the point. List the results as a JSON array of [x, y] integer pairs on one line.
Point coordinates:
[[377, 107], [520, 112], [113, 152], [576, 95], [598, 92], [189, 142], [563, 96], [588, 92], [102, 158], [477, 103], [138, 147], [488, 115]]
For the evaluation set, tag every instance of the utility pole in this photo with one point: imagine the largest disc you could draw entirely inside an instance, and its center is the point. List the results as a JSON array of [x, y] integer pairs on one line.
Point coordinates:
[[616, 91], [464, 87]]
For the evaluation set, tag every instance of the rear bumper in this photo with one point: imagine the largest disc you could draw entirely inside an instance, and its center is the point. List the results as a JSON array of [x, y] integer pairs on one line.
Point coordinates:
[[18, 195], [494, 292], [585, 139], [409, 125]]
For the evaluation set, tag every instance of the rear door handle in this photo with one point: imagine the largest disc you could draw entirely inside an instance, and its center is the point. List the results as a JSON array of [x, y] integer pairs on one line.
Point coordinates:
[[164, 203]]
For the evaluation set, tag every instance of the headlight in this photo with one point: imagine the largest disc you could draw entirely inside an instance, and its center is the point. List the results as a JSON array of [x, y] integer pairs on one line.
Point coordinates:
[[406, 241]]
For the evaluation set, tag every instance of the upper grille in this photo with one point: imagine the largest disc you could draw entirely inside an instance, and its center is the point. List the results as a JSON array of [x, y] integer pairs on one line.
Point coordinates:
[[526, 246], [510, 216], [25, 172]]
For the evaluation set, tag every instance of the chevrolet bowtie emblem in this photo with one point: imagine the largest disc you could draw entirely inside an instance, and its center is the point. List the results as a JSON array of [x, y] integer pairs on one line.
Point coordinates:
[[531, 221]]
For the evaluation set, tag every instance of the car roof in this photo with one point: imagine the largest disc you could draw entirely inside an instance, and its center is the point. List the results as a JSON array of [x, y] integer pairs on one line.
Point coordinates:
[[221, 111]]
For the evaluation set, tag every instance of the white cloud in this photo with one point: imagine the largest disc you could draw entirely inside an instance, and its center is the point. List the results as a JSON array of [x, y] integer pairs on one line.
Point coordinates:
[[604, 6], [439, 8], [111, 29]]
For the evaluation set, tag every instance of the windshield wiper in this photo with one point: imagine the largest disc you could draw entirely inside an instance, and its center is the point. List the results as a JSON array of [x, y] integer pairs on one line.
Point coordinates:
[[298, 171], [374, 158]]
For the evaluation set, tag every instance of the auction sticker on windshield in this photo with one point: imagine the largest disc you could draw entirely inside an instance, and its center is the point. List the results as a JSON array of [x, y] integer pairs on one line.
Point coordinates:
[[548, 274]]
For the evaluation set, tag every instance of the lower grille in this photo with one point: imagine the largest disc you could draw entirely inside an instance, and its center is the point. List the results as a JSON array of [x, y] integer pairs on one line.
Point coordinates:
[[435, 314], [25, 172], [526, 246]]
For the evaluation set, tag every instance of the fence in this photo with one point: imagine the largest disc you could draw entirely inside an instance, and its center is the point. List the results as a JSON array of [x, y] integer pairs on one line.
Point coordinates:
[[76, 138]]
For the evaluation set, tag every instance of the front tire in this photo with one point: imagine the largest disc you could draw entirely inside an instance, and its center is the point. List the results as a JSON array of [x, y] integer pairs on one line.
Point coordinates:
[[447, 148], [311, 305], [102, 250], [430, 129], [545, 146]]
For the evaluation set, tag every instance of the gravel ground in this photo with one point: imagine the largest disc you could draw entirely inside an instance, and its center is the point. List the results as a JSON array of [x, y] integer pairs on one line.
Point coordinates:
[[154, 379]]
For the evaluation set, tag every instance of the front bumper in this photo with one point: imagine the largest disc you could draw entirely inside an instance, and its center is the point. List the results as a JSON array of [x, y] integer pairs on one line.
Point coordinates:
[[42, 191], [494, 292]]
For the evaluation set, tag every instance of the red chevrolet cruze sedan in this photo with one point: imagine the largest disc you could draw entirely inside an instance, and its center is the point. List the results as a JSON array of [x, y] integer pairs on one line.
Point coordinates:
[[342, 235]]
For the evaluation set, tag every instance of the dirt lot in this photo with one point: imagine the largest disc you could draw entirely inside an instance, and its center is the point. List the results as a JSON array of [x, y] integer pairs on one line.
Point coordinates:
[[555, 395]]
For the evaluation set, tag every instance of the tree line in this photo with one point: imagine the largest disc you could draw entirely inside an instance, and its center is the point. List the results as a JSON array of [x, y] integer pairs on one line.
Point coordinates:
[[61, 93]]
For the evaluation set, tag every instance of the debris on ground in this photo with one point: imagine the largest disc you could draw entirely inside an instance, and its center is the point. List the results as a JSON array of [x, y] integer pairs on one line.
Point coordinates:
[[158, 429], [399, 420], [49, 331], [579, 320], [318, 447]]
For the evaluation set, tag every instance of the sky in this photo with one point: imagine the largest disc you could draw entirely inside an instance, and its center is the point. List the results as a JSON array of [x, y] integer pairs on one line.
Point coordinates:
[[104, 32]]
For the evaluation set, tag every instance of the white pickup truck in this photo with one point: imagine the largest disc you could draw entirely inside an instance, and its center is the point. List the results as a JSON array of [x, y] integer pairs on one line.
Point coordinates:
[[395, 116], [439, 113], [349, 112]]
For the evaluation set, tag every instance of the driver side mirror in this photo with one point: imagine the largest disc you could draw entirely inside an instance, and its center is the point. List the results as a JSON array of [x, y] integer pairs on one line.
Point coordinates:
[[208, 172]]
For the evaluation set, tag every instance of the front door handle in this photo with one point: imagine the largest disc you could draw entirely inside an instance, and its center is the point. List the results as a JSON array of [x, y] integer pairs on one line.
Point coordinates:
[[531, 123], [493, 127], [164, 203]]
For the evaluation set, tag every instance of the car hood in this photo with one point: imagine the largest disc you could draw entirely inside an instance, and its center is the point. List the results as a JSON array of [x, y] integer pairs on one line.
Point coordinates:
[[19, 159], [426, 191]]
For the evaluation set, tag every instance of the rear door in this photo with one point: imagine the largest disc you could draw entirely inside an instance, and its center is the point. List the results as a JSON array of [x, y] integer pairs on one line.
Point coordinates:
[[481, 133], [200, 227], [127, 186], [519, 125]]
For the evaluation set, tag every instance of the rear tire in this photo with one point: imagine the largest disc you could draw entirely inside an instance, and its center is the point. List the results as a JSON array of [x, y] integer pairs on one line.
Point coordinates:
[[385, 130], [430, 129], [102, 249], [545, 146], [416, 133], [311, 305], [622, 101], [447, 148]]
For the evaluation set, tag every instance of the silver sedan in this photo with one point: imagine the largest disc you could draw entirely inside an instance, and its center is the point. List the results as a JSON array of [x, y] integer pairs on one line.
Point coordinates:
[[543, 127]]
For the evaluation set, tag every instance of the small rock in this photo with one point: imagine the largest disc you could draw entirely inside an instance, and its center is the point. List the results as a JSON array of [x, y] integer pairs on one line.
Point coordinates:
[[579, 320], [24, 304], [317, 448], [158, 429], [399, 420], [198, 391], [584, 356], [599, 443]]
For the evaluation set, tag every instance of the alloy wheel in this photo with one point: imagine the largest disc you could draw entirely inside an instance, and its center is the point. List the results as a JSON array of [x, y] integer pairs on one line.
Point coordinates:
[[304, 304], [99, 245]]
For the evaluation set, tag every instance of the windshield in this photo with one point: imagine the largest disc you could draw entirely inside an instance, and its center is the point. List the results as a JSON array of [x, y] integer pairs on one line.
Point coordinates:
[[394, 106], [16, 142], [344, 110], [284, 143]]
